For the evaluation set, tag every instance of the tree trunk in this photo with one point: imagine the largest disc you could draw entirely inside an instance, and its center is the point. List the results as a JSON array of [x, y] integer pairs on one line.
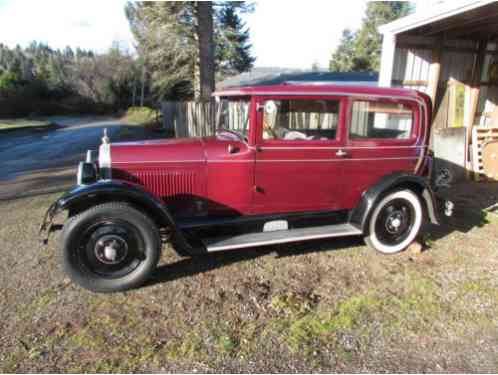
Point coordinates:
[[197, 79], [134, 93], [206, 48], [142, 94]]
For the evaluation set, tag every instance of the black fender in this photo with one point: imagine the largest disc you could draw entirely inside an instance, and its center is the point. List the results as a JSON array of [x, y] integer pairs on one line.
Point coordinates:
[[360, 214], [85, 196]]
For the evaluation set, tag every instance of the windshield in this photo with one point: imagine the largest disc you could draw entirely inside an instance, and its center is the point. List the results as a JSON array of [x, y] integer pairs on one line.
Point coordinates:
[[233, 115]]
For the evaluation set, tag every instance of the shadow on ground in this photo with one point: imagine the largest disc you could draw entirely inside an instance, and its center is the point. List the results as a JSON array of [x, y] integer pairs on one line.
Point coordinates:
[[187, 267], [470, 199]]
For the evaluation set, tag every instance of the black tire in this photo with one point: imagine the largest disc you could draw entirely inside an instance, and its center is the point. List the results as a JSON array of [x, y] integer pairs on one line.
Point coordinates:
[[110, 247], [395, 222]]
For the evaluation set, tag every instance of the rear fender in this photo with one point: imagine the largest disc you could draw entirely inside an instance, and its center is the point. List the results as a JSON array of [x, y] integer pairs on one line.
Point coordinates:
[[360, 214], [86, 196]]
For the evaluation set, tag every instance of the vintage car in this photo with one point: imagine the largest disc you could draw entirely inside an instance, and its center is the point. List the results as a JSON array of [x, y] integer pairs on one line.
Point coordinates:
[[288, 163]]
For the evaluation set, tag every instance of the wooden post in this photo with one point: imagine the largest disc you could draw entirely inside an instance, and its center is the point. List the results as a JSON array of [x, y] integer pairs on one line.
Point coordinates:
[[387, 59], [474, 100], [435, 71]]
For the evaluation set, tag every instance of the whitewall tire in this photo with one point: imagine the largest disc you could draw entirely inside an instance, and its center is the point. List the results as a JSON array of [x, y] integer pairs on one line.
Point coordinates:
[[395, 222]]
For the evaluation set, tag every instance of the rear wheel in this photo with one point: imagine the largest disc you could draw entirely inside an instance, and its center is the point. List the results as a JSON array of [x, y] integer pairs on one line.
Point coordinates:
[[110, 247], [395, 222]]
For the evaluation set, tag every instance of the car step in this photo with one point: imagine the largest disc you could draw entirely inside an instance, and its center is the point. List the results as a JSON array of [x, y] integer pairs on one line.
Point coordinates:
[[281, 236]]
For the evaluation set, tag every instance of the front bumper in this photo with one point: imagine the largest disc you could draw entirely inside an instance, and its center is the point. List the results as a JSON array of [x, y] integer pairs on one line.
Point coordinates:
[[47, 226]]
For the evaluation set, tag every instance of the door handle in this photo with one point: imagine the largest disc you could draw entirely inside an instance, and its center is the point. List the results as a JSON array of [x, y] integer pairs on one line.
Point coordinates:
[[341, 153], [233, 149]]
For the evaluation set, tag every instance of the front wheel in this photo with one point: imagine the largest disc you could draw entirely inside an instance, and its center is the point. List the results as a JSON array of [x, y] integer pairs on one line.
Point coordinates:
[[110, 247], [395, 222]]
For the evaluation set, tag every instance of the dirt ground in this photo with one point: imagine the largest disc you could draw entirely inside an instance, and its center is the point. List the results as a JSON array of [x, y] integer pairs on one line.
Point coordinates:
[[327, 306]]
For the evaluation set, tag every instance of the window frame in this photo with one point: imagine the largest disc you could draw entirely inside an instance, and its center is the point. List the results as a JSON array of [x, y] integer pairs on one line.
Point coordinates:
[[339, 137], [415, 130]]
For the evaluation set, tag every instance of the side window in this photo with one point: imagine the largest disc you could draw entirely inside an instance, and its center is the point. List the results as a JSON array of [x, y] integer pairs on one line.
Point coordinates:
[[380, 120], [300, 120]]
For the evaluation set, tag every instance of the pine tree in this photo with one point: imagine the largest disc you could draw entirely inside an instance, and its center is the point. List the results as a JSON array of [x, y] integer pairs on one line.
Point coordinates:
[[167, 34], [361, 51], [233, 47], [342, 59]]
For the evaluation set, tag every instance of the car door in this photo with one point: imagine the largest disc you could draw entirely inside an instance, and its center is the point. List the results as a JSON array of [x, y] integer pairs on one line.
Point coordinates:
[[384, 137], [300, 156]]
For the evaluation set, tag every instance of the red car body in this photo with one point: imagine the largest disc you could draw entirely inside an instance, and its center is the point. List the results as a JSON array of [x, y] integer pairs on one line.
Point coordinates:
[[301, 162], [276, 176]]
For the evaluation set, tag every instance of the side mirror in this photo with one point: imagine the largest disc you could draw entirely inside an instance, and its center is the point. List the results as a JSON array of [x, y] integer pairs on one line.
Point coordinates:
[[271, 107]]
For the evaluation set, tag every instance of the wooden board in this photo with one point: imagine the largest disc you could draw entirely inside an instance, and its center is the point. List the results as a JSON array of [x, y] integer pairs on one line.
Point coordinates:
[[481, 136], [490, 160]]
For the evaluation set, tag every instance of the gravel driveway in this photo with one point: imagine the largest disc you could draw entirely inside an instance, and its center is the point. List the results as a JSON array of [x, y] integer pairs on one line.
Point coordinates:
[[326, 306], [43, 161]]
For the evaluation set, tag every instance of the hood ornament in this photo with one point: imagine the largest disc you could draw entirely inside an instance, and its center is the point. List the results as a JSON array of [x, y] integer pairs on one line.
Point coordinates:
[[105, 138]]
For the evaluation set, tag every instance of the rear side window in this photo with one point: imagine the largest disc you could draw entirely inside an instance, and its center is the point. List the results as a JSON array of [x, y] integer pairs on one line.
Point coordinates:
[[300, 120], [381, 120]]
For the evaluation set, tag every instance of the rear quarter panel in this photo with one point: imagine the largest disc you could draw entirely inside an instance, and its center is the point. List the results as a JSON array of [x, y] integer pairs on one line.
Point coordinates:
[[370, 160]]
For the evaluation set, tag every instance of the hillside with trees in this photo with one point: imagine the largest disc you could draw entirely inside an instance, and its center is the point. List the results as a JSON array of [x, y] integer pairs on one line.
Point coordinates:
[[43, 81], [360, 51], [181, 49]]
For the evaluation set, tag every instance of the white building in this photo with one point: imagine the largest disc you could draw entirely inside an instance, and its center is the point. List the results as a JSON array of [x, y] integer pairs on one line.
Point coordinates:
[[448, 50]]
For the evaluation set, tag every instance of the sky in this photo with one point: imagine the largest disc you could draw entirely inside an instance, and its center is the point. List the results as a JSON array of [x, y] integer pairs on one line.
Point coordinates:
[[284, 33]]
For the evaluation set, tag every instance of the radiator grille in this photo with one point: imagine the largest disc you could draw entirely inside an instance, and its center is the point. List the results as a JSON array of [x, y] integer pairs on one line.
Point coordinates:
[[165, 184]]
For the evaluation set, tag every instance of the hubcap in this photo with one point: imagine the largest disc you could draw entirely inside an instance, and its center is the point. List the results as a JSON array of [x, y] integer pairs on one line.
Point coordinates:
[[395, 222], [111, 249]]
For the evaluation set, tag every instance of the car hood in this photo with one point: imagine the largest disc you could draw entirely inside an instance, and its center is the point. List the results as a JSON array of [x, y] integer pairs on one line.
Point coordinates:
[[158, 151]]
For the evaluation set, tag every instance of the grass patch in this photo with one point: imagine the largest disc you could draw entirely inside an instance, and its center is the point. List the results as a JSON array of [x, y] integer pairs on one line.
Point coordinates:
[[414, 307], [305, 329], [143, 116], [21, 123]]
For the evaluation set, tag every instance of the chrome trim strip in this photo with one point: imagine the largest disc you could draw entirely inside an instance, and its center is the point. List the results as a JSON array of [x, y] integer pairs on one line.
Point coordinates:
[[230, 161], [353, 232], [336, 148], [268, 160], [159, 161], [335, 160]]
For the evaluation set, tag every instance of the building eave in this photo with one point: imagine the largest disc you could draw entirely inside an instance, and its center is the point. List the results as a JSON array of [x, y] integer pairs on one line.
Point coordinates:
[[419, 19]]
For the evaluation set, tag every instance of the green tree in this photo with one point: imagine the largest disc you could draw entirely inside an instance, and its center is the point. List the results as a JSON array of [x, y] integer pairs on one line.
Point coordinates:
[[342, 59], [44, 80], [232, 41], [169, 37], [360, 51]]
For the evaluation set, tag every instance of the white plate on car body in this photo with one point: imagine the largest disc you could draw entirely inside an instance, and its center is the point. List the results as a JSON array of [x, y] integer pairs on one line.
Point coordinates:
[[275, 225]]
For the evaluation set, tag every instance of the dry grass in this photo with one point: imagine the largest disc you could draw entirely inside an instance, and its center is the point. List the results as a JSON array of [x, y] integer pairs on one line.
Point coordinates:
[[319, 306], [14, 124]]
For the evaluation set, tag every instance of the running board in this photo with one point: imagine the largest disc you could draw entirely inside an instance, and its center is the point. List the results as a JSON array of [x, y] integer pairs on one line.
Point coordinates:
[[281, 236]]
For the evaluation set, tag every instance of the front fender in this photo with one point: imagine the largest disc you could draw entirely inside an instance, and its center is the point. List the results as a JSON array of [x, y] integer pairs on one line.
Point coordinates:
[[360, 214], [114, 190]]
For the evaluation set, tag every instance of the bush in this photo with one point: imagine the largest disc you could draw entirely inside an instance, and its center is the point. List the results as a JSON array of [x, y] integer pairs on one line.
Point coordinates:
[[142, 116], [8, 82]]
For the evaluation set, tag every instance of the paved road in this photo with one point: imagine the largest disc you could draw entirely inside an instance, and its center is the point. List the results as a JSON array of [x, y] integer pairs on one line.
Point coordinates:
[[45, 161]]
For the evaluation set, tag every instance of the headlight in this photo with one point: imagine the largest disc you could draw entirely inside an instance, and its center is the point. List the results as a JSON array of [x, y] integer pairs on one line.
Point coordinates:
[[105, 161], [87, 173]]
